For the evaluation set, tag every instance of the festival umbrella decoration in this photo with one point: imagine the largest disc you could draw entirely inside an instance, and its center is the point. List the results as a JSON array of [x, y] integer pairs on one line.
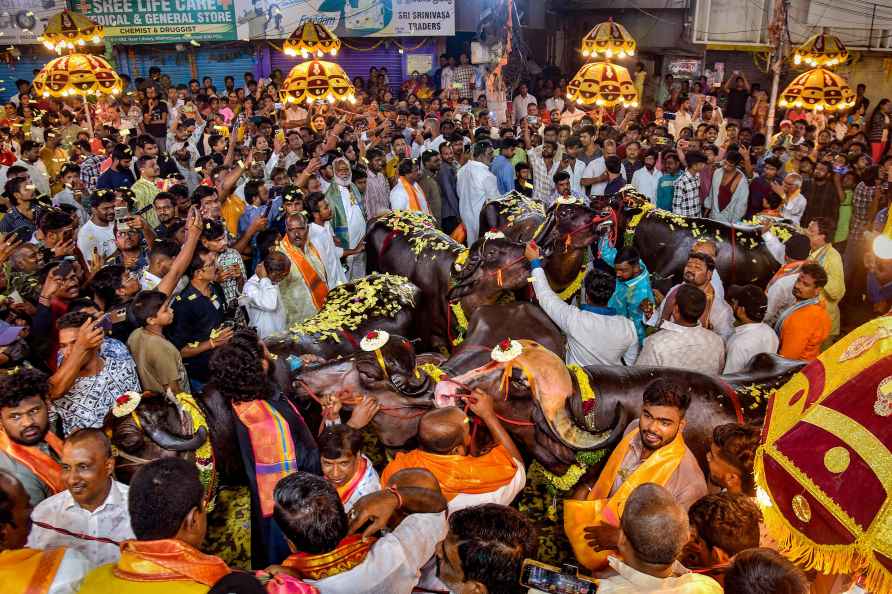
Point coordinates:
[[77, 75], [608, 40], [824, 467], [602, 84], [311, 39], [70, 30], [819, 90], [316, 82], [821, 50]]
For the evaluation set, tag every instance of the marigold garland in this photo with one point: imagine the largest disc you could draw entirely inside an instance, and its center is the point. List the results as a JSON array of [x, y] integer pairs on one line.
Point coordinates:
[[204, 455], [573, 287], [373, 296], [461, 321], [421, 232], [434, 372]]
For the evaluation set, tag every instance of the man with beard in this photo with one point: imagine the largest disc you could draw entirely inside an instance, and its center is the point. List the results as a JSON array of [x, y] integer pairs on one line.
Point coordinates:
[[400, 150], [377, 190], [761, 186], [652, 451], [717, 315], [822, 194], [731, 456], [28, 450], [475, 185], [91, 515], [407, 193], [430, 166], [305, 288], [805, 325], [119, 175], [348, 218], [447, 178]]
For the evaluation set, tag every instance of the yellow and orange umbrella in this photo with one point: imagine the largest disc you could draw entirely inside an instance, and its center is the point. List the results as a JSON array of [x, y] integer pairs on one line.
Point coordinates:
[[70, 30], [311, 39], [316, 82], [602, 84], [818, 90]]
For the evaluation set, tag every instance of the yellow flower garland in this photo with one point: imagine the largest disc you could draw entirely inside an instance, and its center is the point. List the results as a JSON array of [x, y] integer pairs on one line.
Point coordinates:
[[461, 320], [432, 370], [574, 286], [582, 379], [204, 455]]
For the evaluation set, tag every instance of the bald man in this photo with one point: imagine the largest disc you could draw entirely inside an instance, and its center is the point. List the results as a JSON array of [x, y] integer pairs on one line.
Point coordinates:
[[93, 507], [654, 528], [444, 434], [29, 571]]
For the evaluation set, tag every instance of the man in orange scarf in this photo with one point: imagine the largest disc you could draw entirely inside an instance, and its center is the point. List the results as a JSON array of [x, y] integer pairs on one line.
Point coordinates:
[[28, 450], [652, 451], [166, 502], [339, 554], [305, 288], [406, 193], [465, 480], [31, 571]]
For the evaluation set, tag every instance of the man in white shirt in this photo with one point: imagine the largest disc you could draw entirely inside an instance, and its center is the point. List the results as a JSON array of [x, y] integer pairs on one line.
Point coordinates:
[[392, 563], [520, 103], [447, 75], [780, 287], [571, 115], [683, 342], [794, 201], [555, 102], [36, 168], [653, 531], [699, 272], [595, 174], [646, 179], [261, 298], [406, 193], [94, 506], [322, 238], [751, 336], [98, 233], [595, 334], [475, 185], [33, 570]]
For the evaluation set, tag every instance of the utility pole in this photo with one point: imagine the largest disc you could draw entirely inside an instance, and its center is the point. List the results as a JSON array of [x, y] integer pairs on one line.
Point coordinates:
[[777, 66]]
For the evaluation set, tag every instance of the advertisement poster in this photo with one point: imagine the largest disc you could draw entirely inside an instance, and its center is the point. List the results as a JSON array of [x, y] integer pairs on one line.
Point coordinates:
[[22, 21], [163, 21], [276, 19]]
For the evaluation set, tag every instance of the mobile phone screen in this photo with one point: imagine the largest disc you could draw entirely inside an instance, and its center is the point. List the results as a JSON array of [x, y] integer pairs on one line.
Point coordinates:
[[550, 579]]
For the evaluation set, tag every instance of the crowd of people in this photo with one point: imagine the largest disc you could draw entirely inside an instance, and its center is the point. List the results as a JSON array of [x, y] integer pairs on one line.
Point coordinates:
[[150, 255]]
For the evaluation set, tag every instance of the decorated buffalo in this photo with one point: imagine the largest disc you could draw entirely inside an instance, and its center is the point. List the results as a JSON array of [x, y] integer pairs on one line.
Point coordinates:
[[515, 215], [377, 301], [150, 426], [454, 282], [575, 410], [664, 240]]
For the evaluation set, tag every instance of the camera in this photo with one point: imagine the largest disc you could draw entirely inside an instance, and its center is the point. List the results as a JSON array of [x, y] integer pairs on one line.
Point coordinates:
[[668, 115], [554, 580]]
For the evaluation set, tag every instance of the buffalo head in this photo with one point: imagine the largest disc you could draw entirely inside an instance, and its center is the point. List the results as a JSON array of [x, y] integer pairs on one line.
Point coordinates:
[[158, 428], [495, 262]]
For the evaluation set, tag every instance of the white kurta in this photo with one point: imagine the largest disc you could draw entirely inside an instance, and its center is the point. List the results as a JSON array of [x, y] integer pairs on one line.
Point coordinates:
[[475, 185], [323, 240], [369, 483], [355, 232], [399, 198], [266, 312], [296, 294], [748, 341]]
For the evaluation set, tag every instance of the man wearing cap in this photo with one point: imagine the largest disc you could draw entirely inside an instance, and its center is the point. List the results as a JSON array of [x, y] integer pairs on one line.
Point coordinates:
[[751, 336], [792, 256], [119, 174]]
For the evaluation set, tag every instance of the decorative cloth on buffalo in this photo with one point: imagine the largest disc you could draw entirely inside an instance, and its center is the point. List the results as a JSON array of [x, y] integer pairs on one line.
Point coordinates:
[[824, 469]]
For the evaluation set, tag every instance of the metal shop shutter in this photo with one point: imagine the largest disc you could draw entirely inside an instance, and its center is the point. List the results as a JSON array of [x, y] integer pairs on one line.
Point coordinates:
[[33, 57], [355, 63], [220, 61], [136, 63]]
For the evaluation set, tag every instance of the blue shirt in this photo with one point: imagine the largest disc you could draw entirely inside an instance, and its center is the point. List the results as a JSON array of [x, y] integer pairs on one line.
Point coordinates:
[[666, 190], [504, 171], [113, 179], [252, 212], [629, 294]]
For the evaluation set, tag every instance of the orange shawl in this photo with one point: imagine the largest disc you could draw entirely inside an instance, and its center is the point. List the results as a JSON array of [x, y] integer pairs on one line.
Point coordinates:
[[347, 490], [42, 465], [788, 268], [459, 474], [168, 561], [414, 204], [317, 286], [29, 571], [601, 509], [350, 552]]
